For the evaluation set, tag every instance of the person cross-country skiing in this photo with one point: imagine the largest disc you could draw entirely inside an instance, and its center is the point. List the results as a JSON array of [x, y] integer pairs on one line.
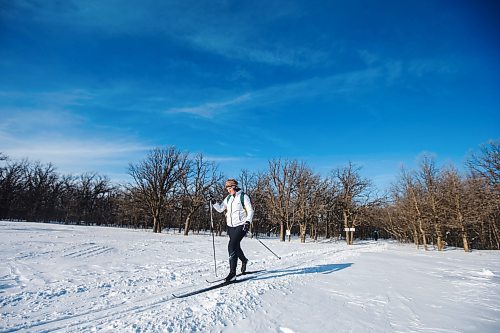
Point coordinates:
[[239, 214]]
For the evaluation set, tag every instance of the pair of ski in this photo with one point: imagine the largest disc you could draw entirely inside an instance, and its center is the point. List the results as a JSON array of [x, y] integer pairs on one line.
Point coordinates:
[[219, 283]]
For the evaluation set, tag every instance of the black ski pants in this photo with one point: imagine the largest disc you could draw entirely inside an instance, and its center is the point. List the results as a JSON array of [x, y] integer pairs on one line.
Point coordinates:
[[236, 234]]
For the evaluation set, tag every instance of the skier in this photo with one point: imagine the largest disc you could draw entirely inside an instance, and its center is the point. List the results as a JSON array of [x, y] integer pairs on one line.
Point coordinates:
[[239, 214]]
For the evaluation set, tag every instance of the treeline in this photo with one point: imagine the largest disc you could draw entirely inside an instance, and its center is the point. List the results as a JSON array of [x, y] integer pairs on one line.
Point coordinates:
[[36, 192], [444, 207], [172, 189]]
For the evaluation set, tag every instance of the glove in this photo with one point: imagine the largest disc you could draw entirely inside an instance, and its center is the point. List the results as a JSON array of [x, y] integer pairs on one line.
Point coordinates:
[[246, 227]]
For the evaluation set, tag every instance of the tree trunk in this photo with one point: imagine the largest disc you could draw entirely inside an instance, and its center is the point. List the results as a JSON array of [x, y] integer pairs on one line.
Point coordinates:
[[156, 224], [282, 232], [187, 224], [496, 233], [422, 232], [440, 241], [303, 228], [465, 240], [327, 230], [349, 235], [416, 238]]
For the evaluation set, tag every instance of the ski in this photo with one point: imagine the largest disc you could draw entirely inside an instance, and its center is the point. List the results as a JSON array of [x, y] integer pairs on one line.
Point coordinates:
[[217, 286], [237, 275]]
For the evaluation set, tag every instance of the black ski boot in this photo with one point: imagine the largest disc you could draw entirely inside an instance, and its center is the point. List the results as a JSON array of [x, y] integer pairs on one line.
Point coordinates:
[[230, 277]]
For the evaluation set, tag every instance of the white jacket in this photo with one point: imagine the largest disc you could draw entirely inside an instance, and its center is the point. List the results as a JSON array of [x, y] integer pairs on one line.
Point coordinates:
[[236, 215]]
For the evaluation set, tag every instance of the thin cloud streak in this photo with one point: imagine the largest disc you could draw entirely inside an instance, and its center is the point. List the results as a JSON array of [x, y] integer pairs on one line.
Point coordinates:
[[210, 110], [344, 85], [233, 48], [337, 84]]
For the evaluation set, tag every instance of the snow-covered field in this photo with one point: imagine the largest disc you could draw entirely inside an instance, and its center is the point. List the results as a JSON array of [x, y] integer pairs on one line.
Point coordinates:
[[74, 278]]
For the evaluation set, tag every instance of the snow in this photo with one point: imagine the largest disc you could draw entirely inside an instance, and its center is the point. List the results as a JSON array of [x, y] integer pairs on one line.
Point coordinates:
[[81, 279]]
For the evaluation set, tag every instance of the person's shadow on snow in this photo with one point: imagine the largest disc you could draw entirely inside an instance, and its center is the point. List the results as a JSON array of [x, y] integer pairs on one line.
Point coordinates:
[[323, 269]]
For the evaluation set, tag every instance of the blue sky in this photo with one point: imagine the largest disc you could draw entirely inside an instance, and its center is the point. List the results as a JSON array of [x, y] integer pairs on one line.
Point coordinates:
[[93, 85]]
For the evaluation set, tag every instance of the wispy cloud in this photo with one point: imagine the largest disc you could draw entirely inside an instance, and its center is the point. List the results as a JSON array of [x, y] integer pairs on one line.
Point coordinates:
[[346, 85], [382, 73], [421, 67], [236, 45], [67, 150], [48, 98], [342, 84], [211, 109]]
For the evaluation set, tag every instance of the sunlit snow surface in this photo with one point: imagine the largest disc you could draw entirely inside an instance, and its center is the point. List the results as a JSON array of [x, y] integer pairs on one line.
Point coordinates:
[[81, 279]]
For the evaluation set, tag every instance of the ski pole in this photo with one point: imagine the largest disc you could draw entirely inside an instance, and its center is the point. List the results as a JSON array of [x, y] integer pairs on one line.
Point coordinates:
[[213, 238], [267, 247]]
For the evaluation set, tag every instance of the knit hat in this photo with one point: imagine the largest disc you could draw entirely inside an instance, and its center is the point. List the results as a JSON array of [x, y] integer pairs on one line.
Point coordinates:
[[231, 183]]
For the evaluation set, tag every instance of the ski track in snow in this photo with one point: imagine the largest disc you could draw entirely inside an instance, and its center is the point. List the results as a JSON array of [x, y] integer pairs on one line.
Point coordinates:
[[81, 279]]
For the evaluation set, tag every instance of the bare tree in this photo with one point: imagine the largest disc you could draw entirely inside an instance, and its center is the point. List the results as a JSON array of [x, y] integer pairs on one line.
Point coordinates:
[[414, 193], [130, 212], [393, 225], [458, 204], [12, 189], [329, 206], [155, 177], [487, 163], [249, 183], [306, 202], [89, 192], [430, 179], [283, 177], [485, 173], [196, 185], [354, 195], [42, 187], [256, 185]]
